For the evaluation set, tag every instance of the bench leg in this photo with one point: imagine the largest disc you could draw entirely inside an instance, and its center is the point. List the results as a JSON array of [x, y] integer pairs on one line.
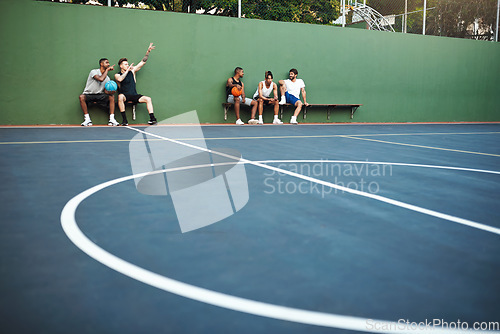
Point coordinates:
[[133, 112], [281, 111], [304, 114], [225, 112], [353, 110], [329, 111]]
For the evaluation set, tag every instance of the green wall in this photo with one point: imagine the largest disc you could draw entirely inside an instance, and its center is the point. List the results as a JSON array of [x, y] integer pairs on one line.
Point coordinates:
[[48, 50]]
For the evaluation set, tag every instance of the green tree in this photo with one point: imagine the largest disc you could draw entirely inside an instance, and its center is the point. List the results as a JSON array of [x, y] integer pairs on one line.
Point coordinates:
[[305, 11], [453, 18]]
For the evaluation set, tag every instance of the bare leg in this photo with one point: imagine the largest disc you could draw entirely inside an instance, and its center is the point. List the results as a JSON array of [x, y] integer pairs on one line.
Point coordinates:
[[83, 104], [298, 108], [149, 103], [237, 107], [254, 105], [261, 106], [111, 104], [276, 107], [121, 102]]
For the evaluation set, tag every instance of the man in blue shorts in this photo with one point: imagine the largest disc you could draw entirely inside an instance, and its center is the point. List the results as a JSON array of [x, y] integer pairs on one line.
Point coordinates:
[[95, 93], [127, 92], [290, 93]]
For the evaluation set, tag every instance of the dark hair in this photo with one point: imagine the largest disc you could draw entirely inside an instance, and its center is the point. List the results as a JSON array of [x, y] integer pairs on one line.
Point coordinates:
[[237, 69], [294, 71], [101, 60], [121, 61], [269, 73]]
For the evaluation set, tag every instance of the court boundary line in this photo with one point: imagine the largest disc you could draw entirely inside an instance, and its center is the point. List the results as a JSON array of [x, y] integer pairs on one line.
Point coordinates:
[[421, 146], [257, 137]]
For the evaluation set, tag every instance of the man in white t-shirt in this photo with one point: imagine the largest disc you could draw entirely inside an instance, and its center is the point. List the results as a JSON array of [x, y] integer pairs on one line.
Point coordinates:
[[95, 92], [290, 93]]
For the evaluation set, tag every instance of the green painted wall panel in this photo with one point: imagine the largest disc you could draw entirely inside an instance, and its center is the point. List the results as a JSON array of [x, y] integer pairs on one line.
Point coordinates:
[[48, 50]]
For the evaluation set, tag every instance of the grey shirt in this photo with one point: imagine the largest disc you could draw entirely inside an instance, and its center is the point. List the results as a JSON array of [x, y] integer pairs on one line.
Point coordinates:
[[94, 86]]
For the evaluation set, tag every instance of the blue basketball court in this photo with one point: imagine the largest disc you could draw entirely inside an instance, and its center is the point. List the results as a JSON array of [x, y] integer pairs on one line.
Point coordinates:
[[347, 228]]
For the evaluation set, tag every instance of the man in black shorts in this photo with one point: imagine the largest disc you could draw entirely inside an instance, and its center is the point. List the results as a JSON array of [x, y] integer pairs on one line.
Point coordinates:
[[127, 91], [95, 92]]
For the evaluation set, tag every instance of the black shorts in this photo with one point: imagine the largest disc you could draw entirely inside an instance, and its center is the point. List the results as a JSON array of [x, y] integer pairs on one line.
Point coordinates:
[[266, 102], [101, 100], [133, 98]]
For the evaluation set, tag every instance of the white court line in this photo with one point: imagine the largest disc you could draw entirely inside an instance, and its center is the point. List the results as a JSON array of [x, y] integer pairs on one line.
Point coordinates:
[[70, 227]]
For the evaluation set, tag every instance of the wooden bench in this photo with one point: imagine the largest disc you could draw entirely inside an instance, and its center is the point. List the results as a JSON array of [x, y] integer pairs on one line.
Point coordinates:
[[329, 108]]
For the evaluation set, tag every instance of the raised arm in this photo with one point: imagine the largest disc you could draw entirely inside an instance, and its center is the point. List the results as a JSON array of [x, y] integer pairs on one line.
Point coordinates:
[[121, 76], [103, 75], [145, 59]]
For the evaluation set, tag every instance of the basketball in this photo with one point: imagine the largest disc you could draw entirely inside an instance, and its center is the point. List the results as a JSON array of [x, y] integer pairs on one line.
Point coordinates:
[[236, 91], [111, 86]]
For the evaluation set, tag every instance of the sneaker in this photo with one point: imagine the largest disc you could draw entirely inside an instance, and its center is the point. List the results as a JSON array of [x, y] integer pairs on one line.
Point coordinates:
[[124, 123], [87, 122], [113, 122], [294, 121], [283, 100], [277, 121], [253, 121], [260, 122], [152, 121], [239, 122]]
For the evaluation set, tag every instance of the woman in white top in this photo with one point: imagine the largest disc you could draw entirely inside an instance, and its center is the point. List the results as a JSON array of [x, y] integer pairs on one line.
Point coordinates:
[[263, 96]]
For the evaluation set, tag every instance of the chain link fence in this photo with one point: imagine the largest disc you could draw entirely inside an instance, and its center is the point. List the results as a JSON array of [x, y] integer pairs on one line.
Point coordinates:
[[476, 19]]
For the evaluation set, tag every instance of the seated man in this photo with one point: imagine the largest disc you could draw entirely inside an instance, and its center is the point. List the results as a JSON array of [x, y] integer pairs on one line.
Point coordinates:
[[95, 92], [290, 91], [127, 91], [262, 95], [235, 81]]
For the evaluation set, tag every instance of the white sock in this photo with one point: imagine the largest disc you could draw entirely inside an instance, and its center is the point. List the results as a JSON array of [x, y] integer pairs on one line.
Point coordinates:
[[293, 118], [275, 116], [260, 117], [111, 117], [87, 117]]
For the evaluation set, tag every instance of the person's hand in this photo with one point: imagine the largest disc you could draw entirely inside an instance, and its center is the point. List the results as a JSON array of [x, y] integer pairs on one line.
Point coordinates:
[[151, 47], [130, 67], [306, 104], [108, 92], [111, 68]]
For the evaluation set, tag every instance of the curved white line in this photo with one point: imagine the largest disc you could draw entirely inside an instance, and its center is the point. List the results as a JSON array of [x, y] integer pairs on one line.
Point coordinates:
[[74, 233]]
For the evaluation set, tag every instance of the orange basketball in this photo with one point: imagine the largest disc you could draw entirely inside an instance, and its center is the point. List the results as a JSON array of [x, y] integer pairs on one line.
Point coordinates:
[[236, 91]]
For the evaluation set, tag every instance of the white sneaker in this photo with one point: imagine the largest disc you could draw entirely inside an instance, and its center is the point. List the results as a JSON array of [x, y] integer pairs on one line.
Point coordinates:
[[294, 121], [283, 100], [261, 122], [87, 122], [113, 122], [253, 121], [277, 121], [239, 122]]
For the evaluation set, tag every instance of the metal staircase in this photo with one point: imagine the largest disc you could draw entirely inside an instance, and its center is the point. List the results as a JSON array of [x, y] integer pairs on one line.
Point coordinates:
[[374, 19]]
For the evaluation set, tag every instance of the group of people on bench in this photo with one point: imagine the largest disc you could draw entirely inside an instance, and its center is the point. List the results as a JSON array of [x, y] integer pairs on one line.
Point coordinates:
[[95, 92], [290, 91]]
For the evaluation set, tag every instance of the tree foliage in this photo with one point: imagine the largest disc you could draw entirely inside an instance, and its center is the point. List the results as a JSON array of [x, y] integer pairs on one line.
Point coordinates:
[[453, 18], [305, 11]]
